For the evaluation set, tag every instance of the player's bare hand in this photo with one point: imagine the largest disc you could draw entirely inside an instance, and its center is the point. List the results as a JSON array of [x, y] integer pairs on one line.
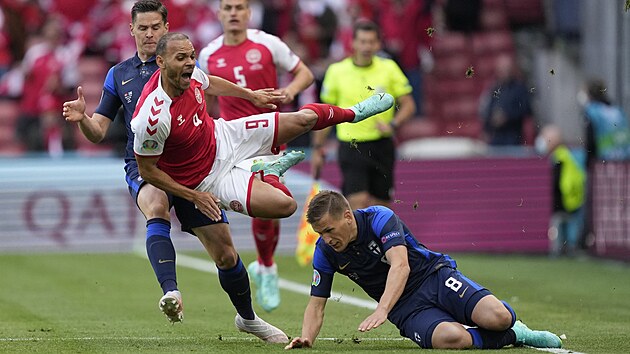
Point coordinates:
[[288, 95], [317, 162], [298, 342], [267, 98], [373, 321], [208, 204], [74, 111], [384, 128]]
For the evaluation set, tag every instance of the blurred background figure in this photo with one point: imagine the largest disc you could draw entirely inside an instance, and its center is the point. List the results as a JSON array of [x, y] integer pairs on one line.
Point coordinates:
[[404, 24], [366, 153], [504, 108], [463, 15], [607, 129], [48, 80], [568, 184], [607, 138], [254, 59]]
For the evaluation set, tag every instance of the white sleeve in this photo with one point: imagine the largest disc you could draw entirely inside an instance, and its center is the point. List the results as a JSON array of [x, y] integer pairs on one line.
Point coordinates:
[[206, 52], [150, 132], [283, 56], [200, 76]]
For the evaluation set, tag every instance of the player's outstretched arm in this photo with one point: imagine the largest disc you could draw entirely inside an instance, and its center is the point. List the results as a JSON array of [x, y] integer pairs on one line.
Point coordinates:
[[394, 287], [313, 320], [265, 98], [95, 127], [302, 78]]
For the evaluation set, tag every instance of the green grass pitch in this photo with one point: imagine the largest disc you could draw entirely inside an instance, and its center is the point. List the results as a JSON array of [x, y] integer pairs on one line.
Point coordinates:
[[107, 303]]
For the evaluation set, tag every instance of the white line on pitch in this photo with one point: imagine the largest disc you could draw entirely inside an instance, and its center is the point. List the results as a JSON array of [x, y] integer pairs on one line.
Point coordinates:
[[226, 338], [207, 266]]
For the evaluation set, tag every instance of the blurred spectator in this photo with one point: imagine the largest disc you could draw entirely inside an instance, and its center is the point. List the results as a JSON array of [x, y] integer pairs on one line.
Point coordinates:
[[404, 24], [607, 129], [568, 185], [317, 26], [46, 69], [462, 15], [366, 154], [277, 17], [5, 51], [607, 137], [506, 105]]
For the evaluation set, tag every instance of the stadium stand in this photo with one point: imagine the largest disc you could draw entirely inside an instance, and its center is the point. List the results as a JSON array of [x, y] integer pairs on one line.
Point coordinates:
[[452, 96], [92, 70]]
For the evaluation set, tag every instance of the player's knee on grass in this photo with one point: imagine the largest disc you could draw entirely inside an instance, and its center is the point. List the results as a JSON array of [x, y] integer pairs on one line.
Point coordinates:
[[448, 335], [493, 314]]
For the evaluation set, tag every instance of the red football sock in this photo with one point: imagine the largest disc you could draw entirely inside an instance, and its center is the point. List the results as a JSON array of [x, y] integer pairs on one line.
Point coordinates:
[[275, 182], [266, 234], [329, 115]]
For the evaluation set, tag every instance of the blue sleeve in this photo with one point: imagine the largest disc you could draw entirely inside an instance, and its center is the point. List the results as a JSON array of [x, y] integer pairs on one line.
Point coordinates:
[[323, 274], [110, 102], [109, 85], [387, 227]]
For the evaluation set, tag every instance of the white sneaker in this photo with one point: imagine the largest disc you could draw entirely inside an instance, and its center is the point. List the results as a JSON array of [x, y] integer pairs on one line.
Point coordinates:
[[172, 306], [260, 329]]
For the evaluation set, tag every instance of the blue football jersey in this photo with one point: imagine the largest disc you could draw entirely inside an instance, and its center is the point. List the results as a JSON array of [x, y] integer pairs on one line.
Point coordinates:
[[364, 261], [122, 87]]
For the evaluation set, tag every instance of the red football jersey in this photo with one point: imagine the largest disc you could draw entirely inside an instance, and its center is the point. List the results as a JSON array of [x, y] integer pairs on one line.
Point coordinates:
[[253, 64], [178, 130]]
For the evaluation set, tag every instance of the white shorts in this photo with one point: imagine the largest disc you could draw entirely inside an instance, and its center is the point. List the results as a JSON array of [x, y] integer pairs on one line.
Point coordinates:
[[238, 143]]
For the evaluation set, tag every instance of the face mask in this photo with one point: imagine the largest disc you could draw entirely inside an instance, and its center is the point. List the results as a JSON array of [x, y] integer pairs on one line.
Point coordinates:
[[582, 98], [540, 145]]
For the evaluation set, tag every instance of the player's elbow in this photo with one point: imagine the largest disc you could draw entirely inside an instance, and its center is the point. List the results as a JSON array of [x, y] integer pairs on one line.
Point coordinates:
[[309, 77], [401, 268]]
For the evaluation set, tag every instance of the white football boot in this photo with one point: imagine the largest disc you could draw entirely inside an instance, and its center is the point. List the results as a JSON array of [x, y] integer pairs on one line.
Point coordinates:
[[172, 306], [260, 329]]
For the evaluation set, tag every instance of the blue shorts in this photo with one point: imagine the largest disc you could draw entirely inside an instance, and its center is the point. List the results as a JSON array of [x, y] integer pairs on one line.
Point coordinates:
[[445, 296], [189, 216]]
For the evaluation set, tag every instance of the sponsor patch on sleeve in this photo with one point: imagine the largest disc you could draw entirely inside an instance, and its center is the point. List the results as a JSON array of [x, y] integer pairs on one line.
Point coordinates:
[[316, 278], [149, 144], [390, 236]]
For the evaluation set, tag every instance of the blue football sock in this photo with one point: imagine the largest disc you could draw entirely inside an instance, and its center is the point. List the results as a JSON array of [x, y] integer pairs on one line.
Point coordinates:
[[485, 339], [161, 253], [235, 283]]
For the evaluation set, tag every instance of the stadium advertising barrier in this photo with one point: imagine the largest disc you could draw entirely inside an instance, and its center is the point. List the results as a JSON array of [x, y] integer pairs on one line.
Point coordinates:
[[82, 205], [468, 205], [611, 212]]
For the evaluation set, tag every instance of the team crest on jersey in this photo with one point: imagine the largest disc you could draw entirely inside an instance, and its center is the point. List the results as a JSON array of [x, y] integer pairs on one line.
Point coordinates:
[[253, 56], [316, 278], [198, 95], [236, 206], [128, 96], [372, 246], [149, 144]]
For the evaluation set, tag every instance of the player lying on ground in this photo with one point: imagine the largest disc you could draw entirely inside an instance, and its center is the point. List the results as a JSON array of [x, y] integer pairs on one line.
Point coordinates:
[[418, 290]]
